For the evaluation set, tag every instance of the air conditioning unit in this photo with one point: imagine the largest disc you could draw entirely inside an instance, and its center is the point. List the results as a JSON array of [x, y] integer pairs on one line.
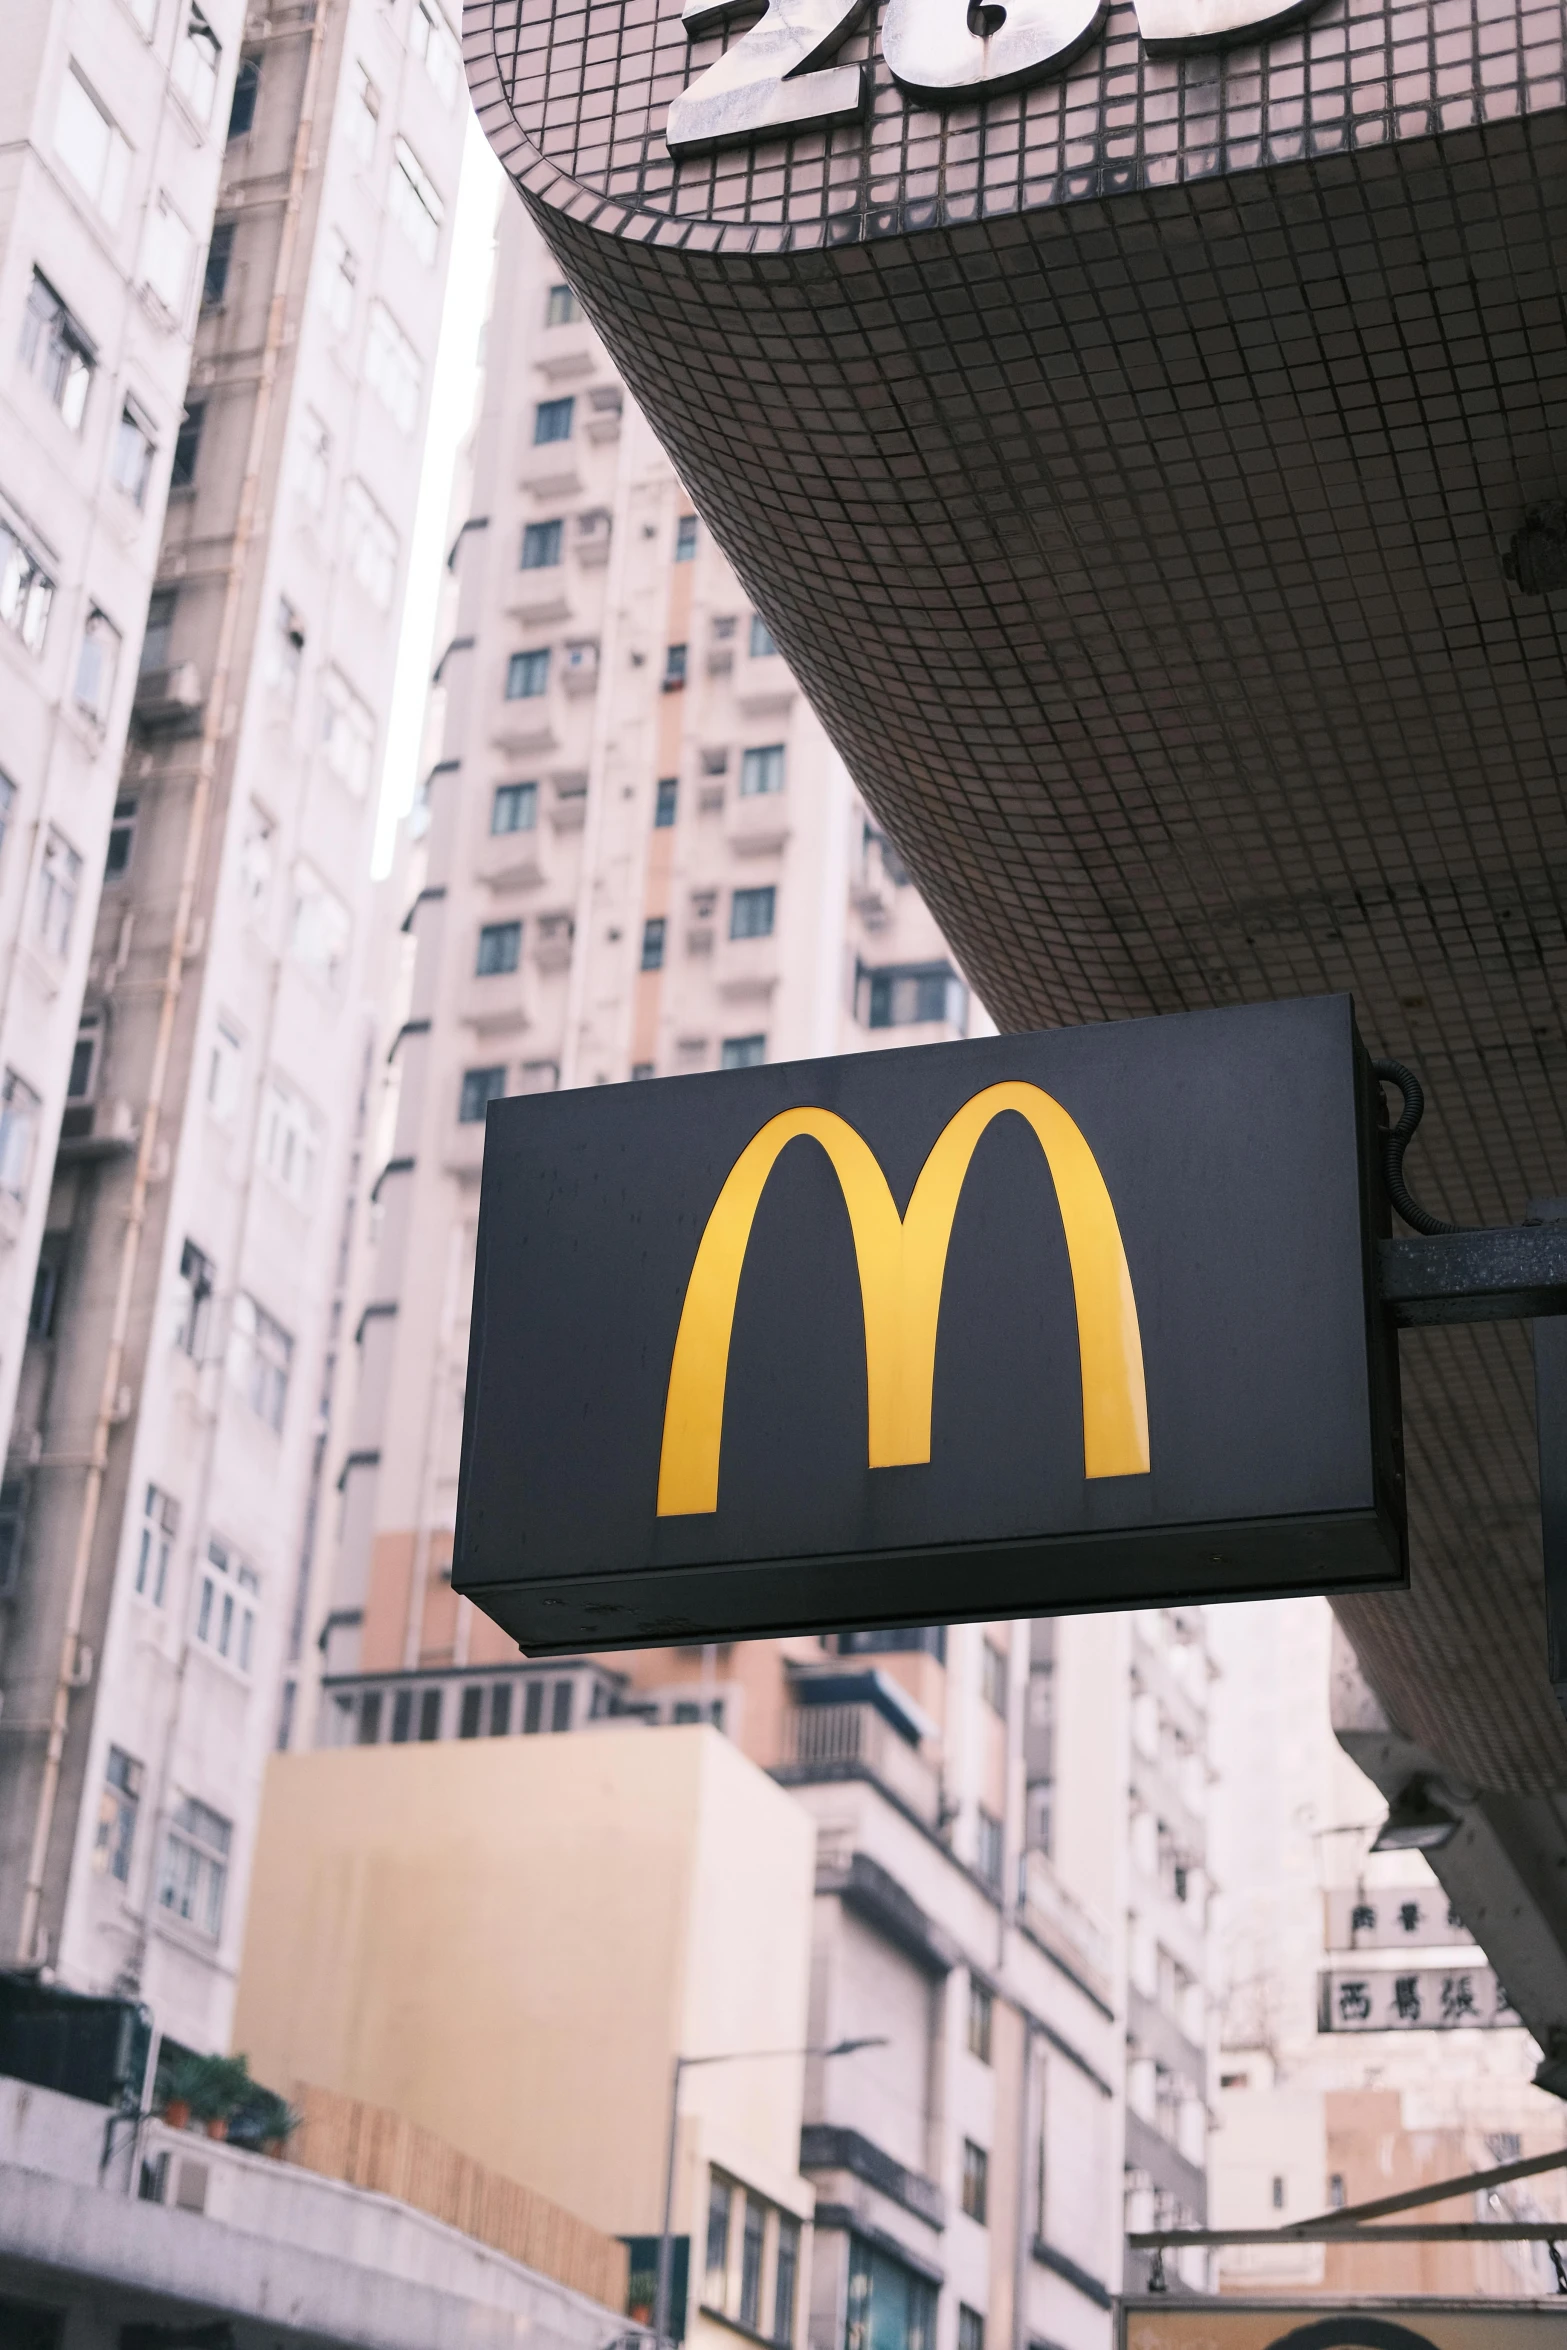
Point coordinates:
[[169, 698]]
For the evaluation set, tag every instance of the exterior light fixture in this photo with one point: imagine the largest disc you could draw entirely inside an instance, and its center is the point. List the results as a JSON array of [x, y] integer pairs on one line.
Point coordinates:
[[1535, 559], [1416, 1822]]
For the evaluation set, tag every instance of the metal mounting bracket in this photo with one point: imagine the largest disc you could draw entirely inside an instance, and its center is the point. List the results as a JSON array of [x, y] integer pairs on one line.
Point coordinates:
[[1516, 1273]]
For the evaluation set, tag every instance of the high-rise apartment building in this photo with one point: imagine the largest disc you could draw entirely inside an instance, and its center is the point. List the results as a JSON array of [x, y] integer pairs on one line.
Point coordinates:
[[114, 114], [167, 1443], [638, 855]]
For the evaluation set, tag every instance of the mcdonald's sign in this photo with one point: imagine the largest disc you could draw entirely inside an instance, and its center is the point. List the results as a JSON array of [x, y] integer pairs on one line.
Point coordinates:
[[1027, 1325]]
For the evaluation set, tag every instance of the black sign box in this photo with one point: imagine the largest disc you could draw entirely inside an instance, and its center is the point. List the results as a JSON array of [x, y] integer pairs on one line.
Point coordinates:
[[1022, 1326]]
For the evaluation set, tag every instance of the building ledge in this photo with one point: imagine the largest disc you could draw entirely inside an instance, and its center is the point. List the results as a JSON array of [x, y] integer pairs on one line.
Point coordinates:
[[824, 2147], [1063, 2265]]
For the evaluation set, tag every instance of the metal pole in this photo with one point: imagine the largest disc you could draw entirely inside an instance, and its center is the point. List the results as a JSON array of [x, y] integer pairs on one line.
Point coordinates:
[[666, 2246], [1550, 1406]]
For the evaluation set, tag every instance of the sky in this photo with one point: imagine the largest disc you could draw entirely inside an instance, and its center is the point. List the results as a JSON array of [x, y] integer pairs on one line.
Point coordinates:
[[452, 396]]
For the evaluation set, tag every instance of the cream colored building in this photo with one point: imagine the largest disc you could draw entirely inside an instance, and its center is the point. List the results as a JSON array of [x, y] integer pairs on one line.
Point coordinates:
[[510, 1941], [112, 116], [167, 1447]]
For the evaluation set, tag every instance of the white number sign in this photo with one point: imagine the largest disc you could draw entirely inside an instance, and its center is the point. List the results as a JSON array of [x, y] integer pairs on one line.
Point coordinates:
[[776, 77]]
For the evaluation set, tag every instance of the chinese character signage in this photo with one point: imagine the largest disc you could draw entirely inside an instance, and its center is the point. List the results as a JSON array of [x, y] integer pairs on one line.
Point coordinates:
[[1004, 1328], [1389, 1917], [1182, 2323], [1426, 1999]]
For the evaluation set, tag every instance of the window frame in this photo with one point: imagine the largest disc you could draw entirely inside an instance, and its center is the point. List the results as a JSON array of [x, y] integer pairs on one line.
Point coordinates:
[[755, 898], [548, 414]]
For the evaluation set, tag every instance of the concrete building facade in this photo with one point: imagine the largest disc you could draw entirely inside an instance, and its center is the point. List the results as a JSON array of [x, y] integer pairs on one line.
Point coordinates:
[[637, 854], [168, 1439], [114, 119]]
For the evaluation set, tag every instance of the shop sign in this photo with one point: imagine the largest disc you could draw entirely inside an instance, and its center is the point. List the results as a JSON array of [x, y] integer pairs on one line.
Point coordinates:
[[1371, 2323], [1074, 1320], [1391, 1917], [1430, 1999]]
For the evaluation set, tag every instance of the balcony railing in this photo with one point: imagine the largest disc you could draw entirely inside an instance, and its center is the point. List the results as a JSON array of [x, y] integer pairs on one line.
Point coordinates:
[[1063, 1925], [843, 1741]]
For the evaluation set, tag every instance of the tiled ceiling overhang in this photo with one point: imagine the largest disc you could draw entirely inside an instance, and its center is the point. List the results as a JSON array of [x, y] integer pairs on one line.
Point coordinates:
[[1125, 468]]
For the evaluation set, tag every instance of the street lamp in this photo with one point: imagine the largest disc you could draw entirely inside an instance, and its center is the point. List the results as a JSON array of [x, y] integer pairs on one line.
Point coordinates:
[[685, 2064]]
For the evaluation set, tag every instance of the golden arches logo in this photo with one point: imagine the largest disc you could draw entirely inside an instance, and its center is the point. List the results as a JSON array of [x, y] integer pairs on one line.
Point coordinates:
[[902, 1263]]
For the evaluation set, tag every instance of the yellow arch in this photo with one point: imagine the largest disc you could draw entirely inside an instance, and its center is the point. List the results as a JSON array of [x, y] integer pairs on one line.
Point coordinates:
[[902, 1265]]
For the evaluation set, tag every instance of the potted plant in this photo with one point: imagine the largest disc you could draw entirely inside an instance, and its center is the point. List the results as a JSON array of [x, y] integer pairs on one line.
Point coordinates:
[[205, 2089]]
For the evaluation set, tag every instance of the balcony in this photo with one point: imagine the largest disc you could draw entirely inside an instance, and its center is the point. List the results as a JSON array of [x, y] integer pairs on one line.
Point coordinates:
[[757, 824], [1065, 1928], [851, 1737]]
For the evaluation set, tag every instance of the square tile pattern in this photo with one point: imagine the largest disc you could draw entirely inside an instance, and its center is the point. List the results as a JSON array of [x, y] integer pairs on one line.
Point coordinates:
[[1130, 501]]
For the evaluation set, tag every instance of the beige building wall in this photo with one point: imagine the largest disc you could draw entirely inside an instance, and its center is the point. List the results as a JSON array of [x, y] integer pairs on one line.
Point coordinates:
[[509, 1941]]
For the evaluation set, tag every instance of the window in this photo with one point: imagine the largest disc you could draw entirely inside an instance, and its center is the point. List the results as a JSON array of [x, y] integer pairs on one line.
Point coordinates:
[[674, 668], [742, 1052], [429, 1715], [80, 1082], [285, 652], [321, 930], [988, 1847], [1336, 2195], [641, 1070], [653, 944], [786, 2271], [59, 880], [500, 946], [315, 462], [414, 202], [752, 2238], [361, 116], [471, 1717], [500, 1710], [392, 368], [402, 1716], [224, 1062], [560, 1706], [193, 1312], [260, 1354], [57, 351], [993, 1676], [761, 771], [26, 590], [552, 421], [247, 88], [13, 1518], [158, 635], [715, 2281], [215, 276], [685, 538], [44, 1303], [117, 1809], [527, 676], [762, 642], [369, 545], [194, 1877], [187, 445], [971, 2328], [905, 994], [291, 1141], [976, 2180], [339, 277], [435, 45], [541, 545], [981, 2008], [91, 147], [19, 1108], [480, 1087], [226, 1605], [195, 73], [515, 807], [7, 796], [751, 912], [891, 2307], [256, 859], [130, 466], [97, 667], [160, 1524], [533, 1709], [562, 307], [168, 258], [664, 799], [347, 733], [122, 838]]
